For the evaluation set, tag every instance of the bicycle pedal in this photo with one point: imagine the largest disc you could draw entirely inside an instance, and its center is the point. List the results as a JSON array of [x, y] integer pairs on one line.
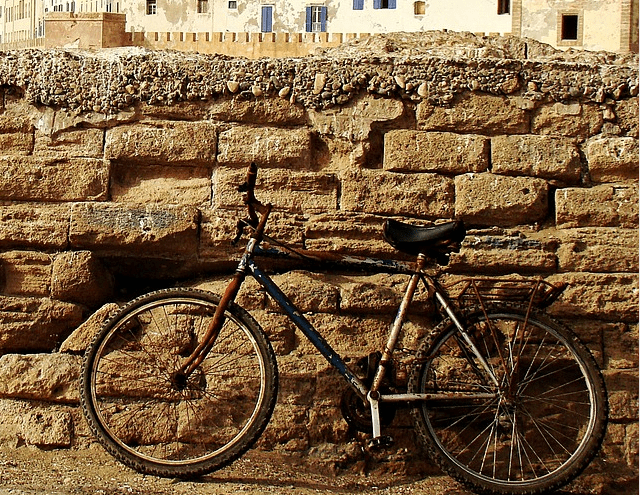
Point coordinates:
[[381, 442]]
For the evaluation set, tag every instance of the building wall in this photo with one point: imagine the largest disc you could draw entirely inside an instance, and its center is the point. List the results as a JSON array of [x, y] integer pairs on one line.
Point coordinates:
[[601, 23]]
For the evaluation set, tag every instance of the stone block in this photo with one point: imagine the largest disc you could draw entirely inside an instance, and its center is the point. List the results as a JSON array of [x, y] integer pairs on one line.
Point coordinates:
[[621, 346], [280, 111], [376, 294], [48, 428], [269, 146], [80, 277], [25, 273], [489, 199], [622, 389], [284, 189], [35, 225], [45, 179], [45, 377], [87, 143], [308, 292], [387, 193], [441, 152], [627, 116], [610, 205], [217, 230], [144, 184], [536, 156], [354, 122], [607, 297], [144, 230], [567, 119], [347, 233], [476, 114], [163, 142], [590, 250], [16, 143], [612, 159], [503, 254], [35, 324], [82, 336]]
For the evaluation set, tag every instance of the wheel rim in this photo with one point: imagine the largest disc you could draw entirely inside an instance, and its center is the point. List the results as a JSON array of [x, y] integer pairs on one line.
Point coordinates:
[[529, 432], [153, 414]]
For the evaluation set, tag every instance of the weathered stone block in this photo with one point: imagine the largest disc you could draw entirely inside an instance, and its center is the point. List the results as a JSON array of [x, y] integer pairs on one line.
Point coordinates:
[[47, 377], [86, 143], [353, 122], [475, 113], [621, 346], [344, 232], [151, 229], [608, 297], [489, 199], [611, 205], [536, 156], [388, 193], [590, 250], [82, 336], [308, 292], [217, 230], [80, 277], [25, 273], [19, 143], [627, 116], [284, 189], [567, 119], [35, 324], [622, 390], [279, 110], [441, 152], [163, 142], [613, 159], [35, 225], [48, 429], [265, 146], [41, 179], [504, 254], [143, 184]]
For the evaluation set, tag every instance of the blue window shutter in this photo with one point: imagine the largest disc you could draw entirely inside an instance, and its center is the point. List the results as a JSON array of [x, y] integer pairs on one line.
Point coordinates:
[[323, 19], [377, 4], [358, 4], [308, 23], [267, 19], [392, 4]]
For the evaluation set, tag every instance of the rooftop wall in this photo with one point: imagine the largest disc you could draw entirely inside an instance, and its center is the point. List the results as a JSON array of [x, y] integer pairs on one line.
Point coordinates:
[[118, 172]]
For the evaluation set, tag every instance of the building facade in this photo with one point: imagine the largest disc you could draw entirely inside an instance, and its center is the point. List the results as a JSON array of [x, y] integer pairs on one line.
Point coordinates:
[[610, 25]]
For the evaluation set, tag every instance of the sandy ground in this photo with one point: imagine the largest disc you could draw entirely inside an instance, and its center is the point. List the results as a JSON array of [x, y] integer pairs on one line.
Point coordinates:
[[26, 470]]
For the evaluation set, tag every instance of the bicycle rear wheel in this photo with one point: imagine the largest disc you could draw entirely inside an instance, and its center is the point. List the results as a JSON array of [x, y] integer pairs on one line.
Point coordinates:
[[160, 425], [534, 428]]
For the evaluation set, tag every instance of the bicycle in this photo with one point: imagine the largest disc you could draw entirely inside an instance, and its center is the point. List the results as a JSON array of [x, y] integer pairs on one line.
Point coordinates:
[[181, 382]]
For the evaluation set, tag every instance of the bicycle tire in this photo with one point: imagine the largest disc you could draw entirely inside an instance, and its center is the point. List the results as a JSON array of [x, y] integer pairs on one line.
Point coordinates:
[[156, 425], [532, 440]]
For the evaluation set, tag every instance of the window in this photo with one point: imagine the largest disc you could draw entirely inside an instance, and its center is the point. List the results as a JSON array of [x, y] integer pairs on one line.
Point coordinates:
[[358, 4], [504, 7], [233, 4], [266, 24], [203, 6], [152, 8], [419, 8], [316, 19], [384, 4], [569, 29]]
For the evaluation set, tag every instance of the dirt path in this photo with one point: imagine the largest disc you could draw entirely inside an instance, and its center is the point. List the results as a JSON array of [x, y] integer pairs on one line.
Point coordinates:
[[29, 471]]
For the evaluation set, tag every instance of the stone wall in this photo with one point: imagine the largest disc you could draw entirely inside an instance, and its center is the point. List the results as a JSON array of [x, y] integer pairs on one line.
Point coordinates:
[[118, 172]]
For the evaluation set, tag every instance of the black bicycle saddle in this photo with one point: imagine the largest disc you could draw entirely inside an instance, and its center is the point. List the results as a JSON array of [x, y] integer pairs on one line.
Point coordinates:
[[434, 241]]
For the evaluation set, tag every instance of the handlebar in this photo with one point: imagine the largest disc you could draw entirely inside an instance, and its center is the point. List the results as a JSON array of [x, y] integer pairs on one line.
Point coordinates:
[[254, 207]]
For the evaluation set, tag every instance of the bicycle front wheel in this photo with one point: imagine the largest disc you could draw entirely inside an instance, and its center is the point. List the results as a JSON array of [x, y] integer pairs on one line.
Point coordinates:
[[158, 424], [527, 420]]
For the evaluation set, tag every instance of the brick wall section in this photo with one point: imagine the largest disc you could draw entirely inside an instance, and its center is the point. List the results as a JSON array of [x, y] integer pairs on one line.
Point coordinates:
[[89, 201]]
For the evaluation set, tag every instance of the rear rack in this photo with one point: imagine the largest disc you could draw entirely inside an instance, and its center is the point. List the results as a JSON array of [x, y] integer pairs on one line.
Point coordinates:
[[473, 291]]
